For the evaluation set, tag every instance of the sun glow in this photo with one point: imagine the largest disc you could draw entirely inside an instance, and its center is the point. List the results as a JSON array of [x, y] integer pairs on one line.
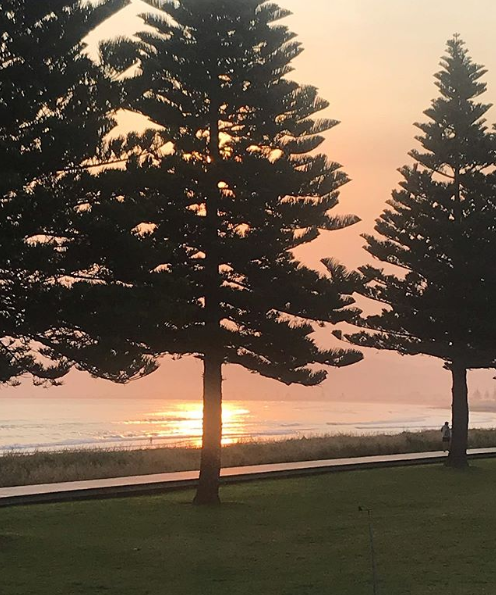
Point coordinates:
[[183, 425]]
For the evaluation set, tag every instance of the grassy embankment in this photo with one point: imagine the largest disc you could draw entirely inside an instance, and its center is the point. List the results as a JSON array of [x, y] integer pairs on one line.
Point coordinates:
[[435, 532], [46, 467]]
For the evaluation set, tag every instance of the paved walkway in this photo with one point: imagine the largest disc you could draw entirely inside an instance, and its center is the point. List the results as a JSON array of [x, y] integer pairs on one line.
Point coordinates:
[[163, 482]]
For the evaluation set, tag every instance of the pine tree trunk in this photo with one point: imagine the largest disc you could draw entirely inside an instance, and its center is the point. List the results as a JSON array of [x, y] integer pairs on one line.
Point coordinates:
[[210, 465], [459, 437], [457, 457]]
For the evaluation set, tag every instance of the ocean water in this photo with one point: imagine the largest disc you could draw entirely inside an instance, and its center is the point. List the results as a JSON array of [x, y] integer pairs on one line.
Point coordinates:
[[54, 423]]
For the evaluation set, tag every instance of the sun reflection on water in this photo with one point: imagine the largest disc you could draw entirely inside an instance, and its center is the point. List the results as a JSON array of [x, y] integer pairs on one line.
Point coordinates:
[[182, 424]]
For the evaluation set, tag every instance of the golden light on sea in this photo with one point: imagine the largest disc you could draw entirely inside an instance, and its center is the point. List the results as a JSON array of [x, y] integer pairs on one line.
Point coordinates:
[[183, 423]]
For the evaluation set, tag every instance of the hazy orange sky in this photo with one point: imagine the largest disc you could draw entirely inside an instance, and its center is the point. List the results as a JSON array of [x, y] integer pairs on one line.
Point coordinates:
[[374, 61]]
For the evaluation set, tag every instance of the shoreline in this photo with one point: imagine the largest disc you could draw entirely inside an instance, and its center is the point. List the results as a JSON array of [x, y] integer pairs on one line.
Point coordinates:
[[45, 425]]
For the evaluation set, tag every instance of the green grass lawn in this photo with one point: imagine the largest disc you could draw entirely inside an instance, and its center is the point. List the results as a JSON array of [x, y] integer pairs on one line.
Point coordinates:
[[435, 532]]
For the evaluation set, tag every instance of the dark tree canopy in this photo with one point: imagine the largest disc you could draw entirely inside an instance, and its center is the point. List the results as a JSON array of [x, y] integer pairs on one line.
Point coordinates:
[[440, 229], [225, 190], [239, 136], [55, 107], [54, 101]]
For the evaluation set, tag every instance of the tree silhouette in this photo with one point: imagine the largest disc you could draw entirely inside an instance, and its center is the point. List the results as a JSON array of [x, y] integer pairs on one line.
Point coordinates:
[[440, 229], [54, 111], [232, 185]]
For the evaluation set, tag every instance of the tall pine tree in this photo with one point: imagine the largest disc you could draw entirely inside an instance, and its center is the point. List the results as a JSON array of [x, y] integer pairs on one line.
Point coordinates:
[[234, 182], [440, 229], [55, 107]]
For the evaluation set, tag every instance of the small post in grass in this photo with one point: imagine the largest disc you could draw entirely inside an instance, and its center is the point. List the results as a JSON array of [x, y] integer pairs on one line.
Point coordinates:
[[372, 549]]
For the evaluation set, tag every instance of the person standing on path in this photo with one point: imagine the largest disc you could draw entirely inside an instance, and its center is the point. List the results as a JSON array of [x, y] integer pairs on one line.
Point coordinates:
[[446, 436]]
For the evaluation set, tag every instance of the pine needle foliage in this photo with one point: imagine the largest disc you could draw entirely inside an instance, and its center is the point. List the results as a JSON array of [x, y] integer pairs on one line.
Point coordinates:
[[54, 112]]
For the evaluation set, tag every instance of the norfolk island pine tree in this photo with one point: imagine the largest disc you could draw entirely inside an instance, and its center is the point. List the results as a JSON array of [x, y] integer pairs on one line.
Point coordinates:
[[54, 109], [244, 187], [440, 229]]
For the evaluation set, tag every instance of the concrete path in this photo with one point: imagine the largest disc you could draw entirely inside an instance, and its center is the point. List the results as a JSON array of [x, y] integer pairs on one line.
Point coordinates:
[[163, 482]]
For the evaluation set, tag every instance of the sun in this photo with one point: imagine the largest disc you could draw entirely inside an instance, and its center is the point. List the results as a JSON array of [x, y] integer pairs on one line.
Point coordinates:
[[184, 424]]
